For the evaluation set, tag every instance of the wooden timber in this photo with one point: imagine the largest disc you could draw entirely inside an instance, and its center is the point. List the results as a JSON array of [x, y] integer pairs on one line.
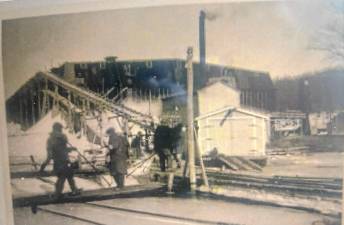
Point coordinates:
[[58, 98], [250, 163], [99, 101], [91, 195], [190, 120], [232, 166]]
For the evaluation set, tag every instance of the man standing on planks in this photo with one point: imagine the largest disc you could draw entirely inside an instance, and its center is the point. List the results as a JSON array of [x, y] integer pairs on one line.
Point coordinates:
[[119, 154], [136, 145], [57, 146], [162, 140]]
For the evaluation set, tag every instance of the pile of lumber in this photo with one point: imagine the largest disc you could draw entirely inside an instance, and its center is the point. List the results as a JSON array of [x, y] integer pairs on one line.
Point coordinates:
[[299, 150]]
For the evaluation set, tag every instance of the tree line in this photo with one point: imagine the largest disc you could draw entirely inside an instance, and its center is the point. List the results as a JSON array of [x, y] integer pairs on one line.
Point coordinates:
[[311, 92]]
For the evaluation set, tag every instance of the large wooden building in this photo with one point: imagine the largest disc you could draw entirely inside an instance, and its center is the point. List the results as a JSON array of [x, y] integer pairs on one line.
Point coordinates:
[[168, 75]]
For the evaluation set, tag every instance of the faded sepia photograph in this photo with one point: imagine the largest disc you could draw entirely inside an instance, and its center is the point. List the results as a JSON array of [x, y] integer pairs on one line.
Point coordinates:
[[228, 112]]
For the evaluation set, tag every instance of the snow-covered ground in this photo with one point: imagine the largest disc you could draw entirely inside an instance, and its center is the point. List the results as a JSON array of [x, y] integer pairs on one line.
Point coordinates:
[[319, 164], [23, 144], [316, 164], [325, 206], [33, 141]]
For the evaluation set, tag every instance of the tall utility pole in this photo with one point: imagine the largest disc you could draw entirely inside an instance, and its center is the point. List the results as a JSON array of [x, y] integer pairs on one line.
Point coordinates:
[[190, 119], [202, 57], [305, 102]]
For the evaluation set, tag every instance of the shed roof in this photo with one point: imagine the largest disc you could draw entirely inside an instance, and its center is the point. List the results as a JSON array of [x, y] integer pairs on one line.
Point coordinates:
[[239, 109]]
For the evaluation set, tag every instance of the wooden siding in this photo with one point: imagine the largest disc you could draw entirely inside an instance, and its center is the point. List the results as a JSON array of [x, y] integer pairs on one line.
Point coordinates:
[[233, 134]]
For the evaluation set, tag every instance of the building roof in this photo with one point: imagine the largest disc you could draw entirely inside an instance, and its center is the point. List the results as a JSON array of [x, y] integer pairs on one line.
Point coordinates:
[[223, 82], [245, 79], [254, 81]]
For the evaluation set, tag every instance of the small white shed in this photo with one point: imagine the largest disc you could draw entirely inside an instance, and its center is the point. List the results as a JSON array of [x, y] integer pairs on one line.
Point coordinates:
[[233, 131]]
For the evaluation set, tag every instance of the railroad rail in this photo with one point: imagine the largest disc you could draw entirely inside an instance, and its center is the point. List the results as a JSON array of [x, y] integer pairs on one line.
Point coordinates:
[[142, 215], [170, 218], [324, 187], [306, 186], [310, 187], [68, 215]]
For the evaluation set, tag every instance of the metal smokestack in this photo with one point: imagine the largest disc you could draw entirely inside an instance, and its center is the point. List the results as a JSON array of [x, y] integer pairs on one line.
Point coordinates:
[[202, 17]]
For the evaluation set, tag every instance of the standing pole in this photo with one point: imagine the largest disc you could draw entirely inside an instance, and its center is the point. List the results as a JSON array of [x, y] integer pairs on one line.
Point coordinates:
[[26, 110], [190, 134], [21, 112], [32, 101], [45, 102], [100, 124], [150, 100], [39, 99], [55, 104], [70, 116], [202, 45], [204, 173]]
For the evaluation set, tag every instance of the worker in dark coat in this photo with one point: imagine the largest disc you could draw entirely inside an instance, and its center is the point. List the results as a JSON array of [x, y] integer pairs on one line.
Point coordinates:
[[57, 146], [119, 154], [48, 159], [136, 145], [175, 145], [162, 145], [167, 143]]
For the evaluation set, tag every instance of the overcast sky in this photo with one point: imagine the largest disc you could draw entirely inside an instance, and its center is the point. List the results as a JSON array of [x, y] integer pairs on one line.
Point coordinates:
[[268, 36]]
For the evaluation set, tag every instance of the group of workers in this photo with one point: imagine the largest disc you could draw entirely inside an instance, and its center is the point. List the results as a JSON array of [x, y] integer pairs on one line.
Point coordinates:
[[167, 145], [59, 149]]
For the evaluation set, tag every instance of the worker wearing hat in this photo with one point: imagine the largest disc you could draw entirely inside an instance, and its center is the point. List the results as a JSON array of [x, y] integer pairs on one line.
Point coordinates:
[[58, 150], [137, 145], [57, 128], [118, 151]]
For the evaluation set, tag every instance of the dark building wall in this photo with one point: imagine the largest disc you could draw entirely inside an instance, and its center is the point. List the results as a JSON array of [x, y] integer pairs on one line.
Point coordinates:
[[258, 99], [24, 107], [256, 87]]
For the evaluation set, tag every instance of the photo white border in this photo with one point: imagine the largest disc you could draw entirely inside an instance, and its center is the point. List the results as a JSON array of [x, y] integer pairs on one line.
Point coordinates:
[[13, 9]]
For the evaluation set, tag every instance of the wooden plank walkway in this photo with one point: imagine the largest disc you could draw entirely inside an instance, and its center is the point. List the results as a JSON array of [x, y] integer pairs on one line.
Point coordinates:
[[36, 174], [153, 189]]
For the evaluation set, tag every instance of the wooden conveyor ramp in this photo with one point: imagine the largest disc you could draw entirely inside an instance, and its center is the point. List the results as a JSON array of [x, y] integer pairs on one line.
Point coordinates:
[[94, 99], [54, 93]]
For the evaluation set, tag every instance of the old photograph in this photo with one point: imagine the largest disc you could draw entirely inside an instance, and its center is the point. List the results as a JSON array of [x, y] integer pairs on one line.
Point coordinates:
[[217, 113]]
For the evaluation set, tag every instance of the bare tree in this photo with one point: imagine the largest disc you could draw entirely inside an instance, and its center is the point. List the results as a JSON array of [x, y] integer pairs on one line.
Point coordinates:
[[330, 38]]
